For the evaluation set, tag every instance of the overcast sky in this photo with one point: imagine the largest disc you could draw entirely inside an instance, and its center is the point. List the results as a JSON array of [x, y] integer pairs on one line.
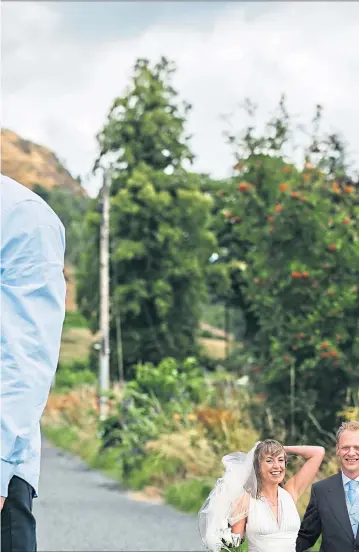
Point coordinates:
[[64, 62]]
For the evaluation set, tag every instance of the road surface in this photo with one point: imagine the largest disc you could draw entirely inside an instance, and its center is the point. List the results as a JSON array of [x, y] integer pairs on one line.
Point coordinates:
[[78, 509]]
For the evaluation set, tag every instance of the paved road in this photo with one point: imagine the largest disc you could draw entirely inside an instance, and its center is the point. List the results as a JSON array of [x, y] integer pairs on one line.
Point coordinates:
[[79, 509]]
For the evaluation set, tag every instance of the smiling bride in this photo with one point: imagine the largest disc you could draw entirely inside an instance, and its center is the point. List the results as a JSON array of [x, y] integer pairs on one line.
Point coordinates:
[[252, 500]]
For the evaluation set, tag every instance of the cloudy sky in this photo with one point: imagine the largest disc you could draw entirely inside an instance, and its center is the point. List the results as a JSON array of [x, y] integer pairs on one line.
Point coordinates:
[[64, 62]]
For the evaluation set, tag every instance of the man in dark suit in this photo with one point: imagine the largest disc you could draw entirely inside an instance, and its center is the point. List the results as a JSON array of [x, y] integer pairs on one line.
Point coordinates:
[[333, 510]]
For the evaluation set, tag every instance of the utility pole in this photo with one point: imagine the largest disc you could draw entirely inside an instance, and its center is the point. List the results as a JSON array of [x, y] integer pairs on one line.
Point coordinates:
[[104, 369]]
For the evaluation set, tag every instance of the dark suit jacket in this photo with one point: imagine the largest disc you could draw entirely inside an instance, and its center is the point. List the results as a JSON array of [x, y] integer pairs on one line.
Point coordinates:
[[327, 515]]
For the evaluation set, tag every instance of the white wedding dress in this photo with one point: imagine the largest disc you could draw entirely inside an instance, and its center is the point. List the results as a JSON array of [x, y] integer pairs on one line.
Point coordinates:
[[264, 533]]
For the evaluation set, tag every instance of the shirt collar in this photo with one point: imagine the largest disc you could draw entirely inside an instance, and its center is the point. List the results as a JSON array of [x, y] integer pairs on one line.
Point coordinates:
[[347, 479]]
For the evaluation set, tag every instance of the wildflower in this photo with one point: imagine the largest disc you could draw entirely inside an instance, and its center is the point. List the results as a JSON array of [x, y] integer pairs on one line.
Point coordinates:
[[244, 187], [283, 187], [349, 189]]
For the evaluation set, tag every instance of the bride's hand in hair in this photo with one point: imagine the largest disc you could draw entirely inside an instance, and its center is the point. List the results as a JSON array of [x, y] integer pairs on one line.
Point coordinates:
[[299, 483]]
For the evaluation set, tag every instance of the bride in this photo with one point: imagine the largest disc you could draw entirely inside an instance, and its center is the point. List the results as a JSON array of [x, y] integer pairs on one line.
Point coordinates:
[[252, 501]]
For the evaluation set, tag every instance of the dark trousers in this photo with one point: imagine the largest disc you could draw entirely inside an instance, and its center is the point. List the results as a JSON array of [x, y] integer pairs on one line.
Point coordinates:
[[18, 526]]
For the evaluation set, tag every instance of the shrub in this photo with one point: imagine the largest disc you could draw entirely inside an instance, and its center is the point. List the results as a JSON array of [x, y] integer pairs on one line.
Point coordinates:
[[188, 496], [73, 375], [155, 471], [150, 407], [170, 380]]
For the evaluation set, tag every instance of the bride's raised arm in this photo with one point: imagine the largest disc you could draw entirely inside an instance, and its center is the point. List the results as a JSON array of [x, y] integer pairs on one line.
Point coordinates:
[[298, 484]]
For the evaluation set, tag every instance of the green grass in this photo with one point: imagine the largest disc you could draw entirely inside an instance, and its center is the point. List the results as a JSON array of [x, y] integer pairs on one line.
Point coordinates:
[[213, 314], [67, 439], [76, 344], [62, 437], [74, 319], [188, 496]]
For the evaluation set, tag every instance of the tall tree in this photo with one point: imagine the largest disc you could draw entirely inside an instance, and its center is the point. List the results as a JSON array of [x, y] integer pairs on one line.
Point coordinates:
[[71, 209], [160, 239], [289, 239]]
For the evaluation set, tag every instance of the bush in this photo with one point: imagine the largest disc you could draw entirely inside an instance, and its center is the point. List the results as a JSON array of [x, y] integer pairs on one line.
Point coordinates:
[[155, 471], [170, 380], [73, 375], [189, 496], [150, 406]]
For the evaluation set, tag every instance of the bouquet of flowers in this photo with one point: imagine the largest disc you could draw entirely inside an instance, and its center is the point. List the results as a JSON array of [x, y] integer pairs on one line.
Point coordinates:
[[231, 542]]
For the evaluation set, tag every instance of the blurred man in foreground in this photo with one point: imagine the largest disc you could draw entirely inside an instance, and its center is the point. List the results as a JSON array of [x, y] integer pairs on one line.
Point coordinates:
[[33, 290]]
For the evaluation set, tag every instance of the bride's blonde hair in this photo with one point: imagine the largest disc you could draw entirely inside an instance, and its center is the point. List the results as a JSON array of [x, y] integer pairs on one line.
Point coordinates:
[[269, 447]]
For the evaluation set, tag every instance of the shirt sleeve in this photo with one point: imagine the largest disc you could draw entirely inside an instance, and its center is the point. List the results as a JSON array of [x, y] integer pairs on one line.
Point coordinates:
[[33, 293]]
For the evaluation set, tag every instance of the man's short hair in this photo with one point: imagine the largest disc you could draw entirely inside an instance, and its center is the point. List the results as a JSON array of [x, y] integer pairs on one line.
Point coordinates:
[[353, 425]]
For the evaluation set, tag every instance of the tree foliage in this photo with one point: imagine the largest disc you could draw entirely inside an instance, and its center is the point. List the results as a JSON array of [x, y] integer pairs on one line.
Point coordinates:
[[71, 210], [160, 241], [281, 238], [289, 241]]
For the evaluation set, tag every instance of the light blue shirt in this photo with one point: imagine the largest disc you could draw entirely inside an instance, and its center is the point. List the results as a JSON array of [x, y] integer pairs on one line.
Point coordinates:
[[33, 292], [347, 479], [353, 510]]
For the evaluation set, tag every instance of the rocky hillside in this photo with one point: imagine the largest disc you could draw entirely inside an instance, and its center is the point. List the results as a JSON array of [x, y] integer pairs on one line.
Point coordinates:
[[31, 164]]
